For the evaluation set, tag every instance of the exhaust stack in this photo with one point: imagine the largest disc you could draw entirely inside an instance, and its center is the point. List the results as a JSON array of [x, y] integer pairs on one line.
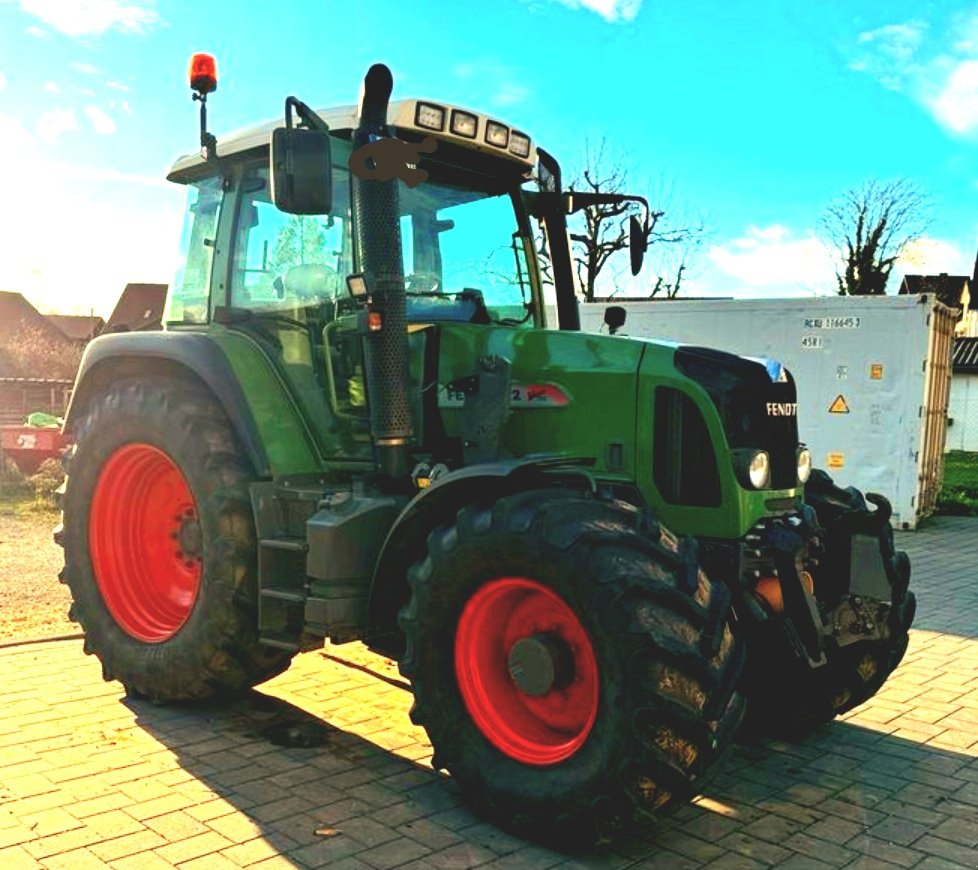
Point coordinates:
[[385, 323]]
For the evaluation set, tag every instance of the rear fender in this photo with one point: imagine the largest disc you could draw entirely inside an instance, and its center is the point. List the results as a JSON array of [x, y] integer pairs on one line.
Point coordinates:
[[181, 354]]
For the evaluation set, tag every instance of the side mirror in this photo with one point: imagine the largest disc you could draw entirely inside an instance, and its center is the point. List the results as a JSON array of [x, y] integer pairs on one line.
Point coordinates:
[[637, 244], [301, 170], [614, 318]]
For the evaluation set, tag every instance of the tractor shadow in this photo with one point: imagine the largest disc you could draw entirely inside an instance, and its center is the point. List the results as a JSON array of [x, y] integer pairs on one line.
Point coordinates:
[[316, 785], [315, 793]]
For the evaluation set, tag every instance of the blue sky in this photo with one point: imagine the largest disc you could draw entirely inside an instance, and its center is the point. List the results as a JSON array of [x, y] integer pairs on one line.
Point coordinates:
[[750, 115]]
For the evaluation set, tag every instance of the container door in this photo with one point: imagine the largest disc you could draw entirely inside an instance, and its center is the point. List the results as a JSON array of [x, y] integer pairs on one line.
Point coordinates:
[[936, 392]]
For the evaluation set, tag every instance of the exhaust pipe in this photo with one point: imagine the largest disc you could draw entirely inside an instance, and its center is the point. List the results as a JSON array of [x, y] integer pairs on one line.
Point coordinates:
[[379, 240]]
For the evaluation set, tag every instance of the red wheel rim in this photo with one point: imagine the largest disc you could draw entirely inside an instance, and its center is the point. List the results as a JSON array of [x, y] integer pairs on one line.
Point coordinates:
[[550, 724], [144, 539]]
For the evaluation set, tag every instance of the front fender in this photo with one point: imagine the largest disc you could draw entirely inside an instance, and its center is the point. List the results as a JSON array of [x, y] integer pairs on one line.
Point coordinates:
[[406, 542]]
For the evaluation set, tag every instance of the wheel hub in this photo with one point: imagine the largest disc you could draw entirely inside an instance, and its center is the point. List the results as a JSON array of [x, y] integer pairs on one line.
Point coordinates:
[[540, 663], [145, 542], [190, 538], [526, 670]]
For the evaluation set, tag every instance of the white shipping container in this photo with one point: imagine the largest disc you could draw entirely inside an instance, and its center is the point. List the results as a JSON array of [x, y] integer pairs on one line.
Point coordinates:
[[872, 375]]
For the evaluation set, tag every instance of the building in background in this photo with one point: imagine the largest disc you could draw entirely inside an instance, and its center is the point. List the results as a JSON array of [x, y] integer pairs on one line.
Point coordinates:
[[962, 432], [78, 328], [140, 307], [954, 291]]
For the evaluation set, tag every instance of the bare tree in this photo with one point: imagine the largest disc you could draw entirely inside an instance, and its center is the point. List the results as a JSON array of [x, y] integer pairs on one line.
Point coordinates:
[[605, 230], [870, 226]]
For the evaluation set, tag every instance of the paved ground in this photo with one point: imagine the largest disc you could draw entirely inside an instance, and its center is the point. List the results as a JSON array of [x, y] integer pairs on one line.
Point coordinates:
[[322, 768]]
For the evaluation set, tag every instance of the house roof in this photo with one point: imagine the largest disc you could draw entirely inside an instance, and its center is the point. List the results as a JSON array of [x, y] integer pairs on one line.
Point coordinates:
[[964, 356], [949, 289], [77, 327], [139, 307], [17, 313]]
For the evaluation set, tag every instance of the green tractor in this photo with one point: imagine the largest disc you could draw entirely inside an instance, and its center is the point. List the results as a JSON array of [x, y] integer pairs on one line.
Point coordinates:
[[362, 422]]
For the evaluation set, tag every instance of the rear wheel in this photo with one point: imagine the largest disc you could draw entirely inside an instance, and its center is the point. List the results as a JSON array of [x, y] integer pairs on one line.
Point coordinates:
[[569, 665], [785, 695], [160, 543]]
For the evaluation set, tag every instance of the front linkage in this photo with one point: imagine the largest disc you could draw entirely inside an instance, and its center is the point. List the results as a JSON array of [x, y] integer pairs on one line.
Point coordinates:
[[823, 604]]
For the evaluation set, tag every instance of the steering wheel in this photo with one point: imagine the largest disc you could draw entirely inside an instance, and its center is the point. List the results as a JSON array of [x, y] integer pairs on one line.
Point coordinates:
[[311, 281], [423, 284]]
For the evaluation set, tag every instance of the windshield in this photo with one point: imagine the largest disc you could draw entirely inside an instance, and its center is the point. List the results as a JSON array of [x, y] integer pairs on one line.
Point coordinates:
[[460, 245], [462, 255]]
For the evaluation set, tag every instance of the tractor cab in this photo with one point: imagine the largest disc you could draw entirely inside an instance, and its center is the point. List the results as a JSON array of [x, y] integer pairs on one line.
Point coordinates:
[[465, 239]]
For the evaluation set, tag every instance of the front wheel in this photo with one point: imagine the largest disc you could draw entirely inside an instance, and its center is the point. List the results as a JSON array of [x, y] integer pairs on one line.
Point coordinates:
[[860, 583], [160, 545], [569, 665]]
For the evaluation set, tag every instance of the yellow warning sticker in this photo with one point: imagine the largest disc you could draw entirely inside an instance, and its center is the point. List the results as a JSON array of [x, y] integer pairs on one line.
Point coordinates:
[[876, 371], [835, 460], [839, 406]]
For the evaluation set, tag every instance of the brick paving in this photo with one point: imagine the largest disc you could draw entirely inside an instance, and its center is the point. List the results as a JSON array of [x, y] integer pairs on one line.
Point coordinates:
[[323, 768]]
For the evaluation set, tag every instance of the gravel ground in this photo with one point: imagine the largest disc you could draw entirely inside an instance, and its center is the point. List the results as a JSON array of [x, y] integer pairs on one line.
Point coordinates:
[[33, 604]]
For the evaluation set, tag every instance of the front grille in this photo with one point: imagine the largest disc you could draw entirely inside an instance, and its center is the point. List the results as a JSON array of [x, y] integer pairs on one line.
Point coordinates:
[[748, 401]]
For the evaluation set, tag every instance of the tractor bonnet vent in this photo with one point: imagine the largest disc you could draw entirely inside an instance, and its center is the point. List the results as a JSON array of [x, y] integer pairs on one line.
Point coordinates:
[[684, 465]]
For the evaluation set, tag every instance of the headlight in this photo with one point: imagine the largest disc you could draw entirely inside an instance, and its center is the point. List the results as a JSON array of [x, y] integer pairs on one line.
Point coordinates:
[[429, 116], [519, 144], [759, 469], [497, 134], [464, 124], [804, 463]]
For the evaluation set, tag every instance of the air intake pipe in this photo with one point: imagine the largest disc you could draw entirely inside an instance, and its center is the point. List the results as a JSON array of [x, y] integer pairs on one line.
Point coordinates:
[[377, 222]]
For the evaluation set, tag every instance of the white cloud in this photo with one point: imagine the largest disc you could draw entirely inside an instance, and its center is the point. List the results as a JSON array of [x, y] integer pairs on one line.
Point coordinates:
[[501, 80], [88, 17], [101, 123], [3, 81], [54, 122], [86, 68], [773, 233], [509, 94], [106, 236], [888, 53], [609, 10], [956, 106], [38, 32], [774, 257], [928, 256], [117, 86], [937, 70], [15, 136], [775, 261], [897, 40], [52, 88]]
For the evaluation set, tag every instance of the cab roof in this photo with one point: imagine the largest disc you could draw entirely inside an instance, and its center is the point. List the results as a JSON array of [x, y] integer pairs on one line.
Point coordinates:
[[343, 119]]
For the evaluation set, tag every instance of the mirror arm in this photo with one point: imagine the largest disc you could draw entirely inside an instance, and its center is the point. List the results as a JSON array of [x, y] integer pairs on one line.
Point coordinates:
[[306, 115]]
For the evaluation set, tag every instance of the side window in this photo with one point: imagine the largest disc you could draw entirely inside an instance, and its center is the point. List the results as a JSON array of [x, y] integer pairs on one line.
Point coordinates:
[[189, 291], [285, 261]]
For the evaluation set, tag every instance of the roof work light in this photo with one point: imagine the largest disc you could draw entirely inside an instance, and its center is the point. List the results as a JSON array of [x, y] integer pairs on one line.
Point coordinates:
[[203, 73], [203, 81]]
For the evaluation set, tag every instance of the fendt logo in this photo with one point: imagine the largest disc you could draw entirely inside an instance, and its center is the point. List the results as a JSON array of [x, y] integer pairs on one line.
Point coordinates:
[[782, 409], [384, 159]]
